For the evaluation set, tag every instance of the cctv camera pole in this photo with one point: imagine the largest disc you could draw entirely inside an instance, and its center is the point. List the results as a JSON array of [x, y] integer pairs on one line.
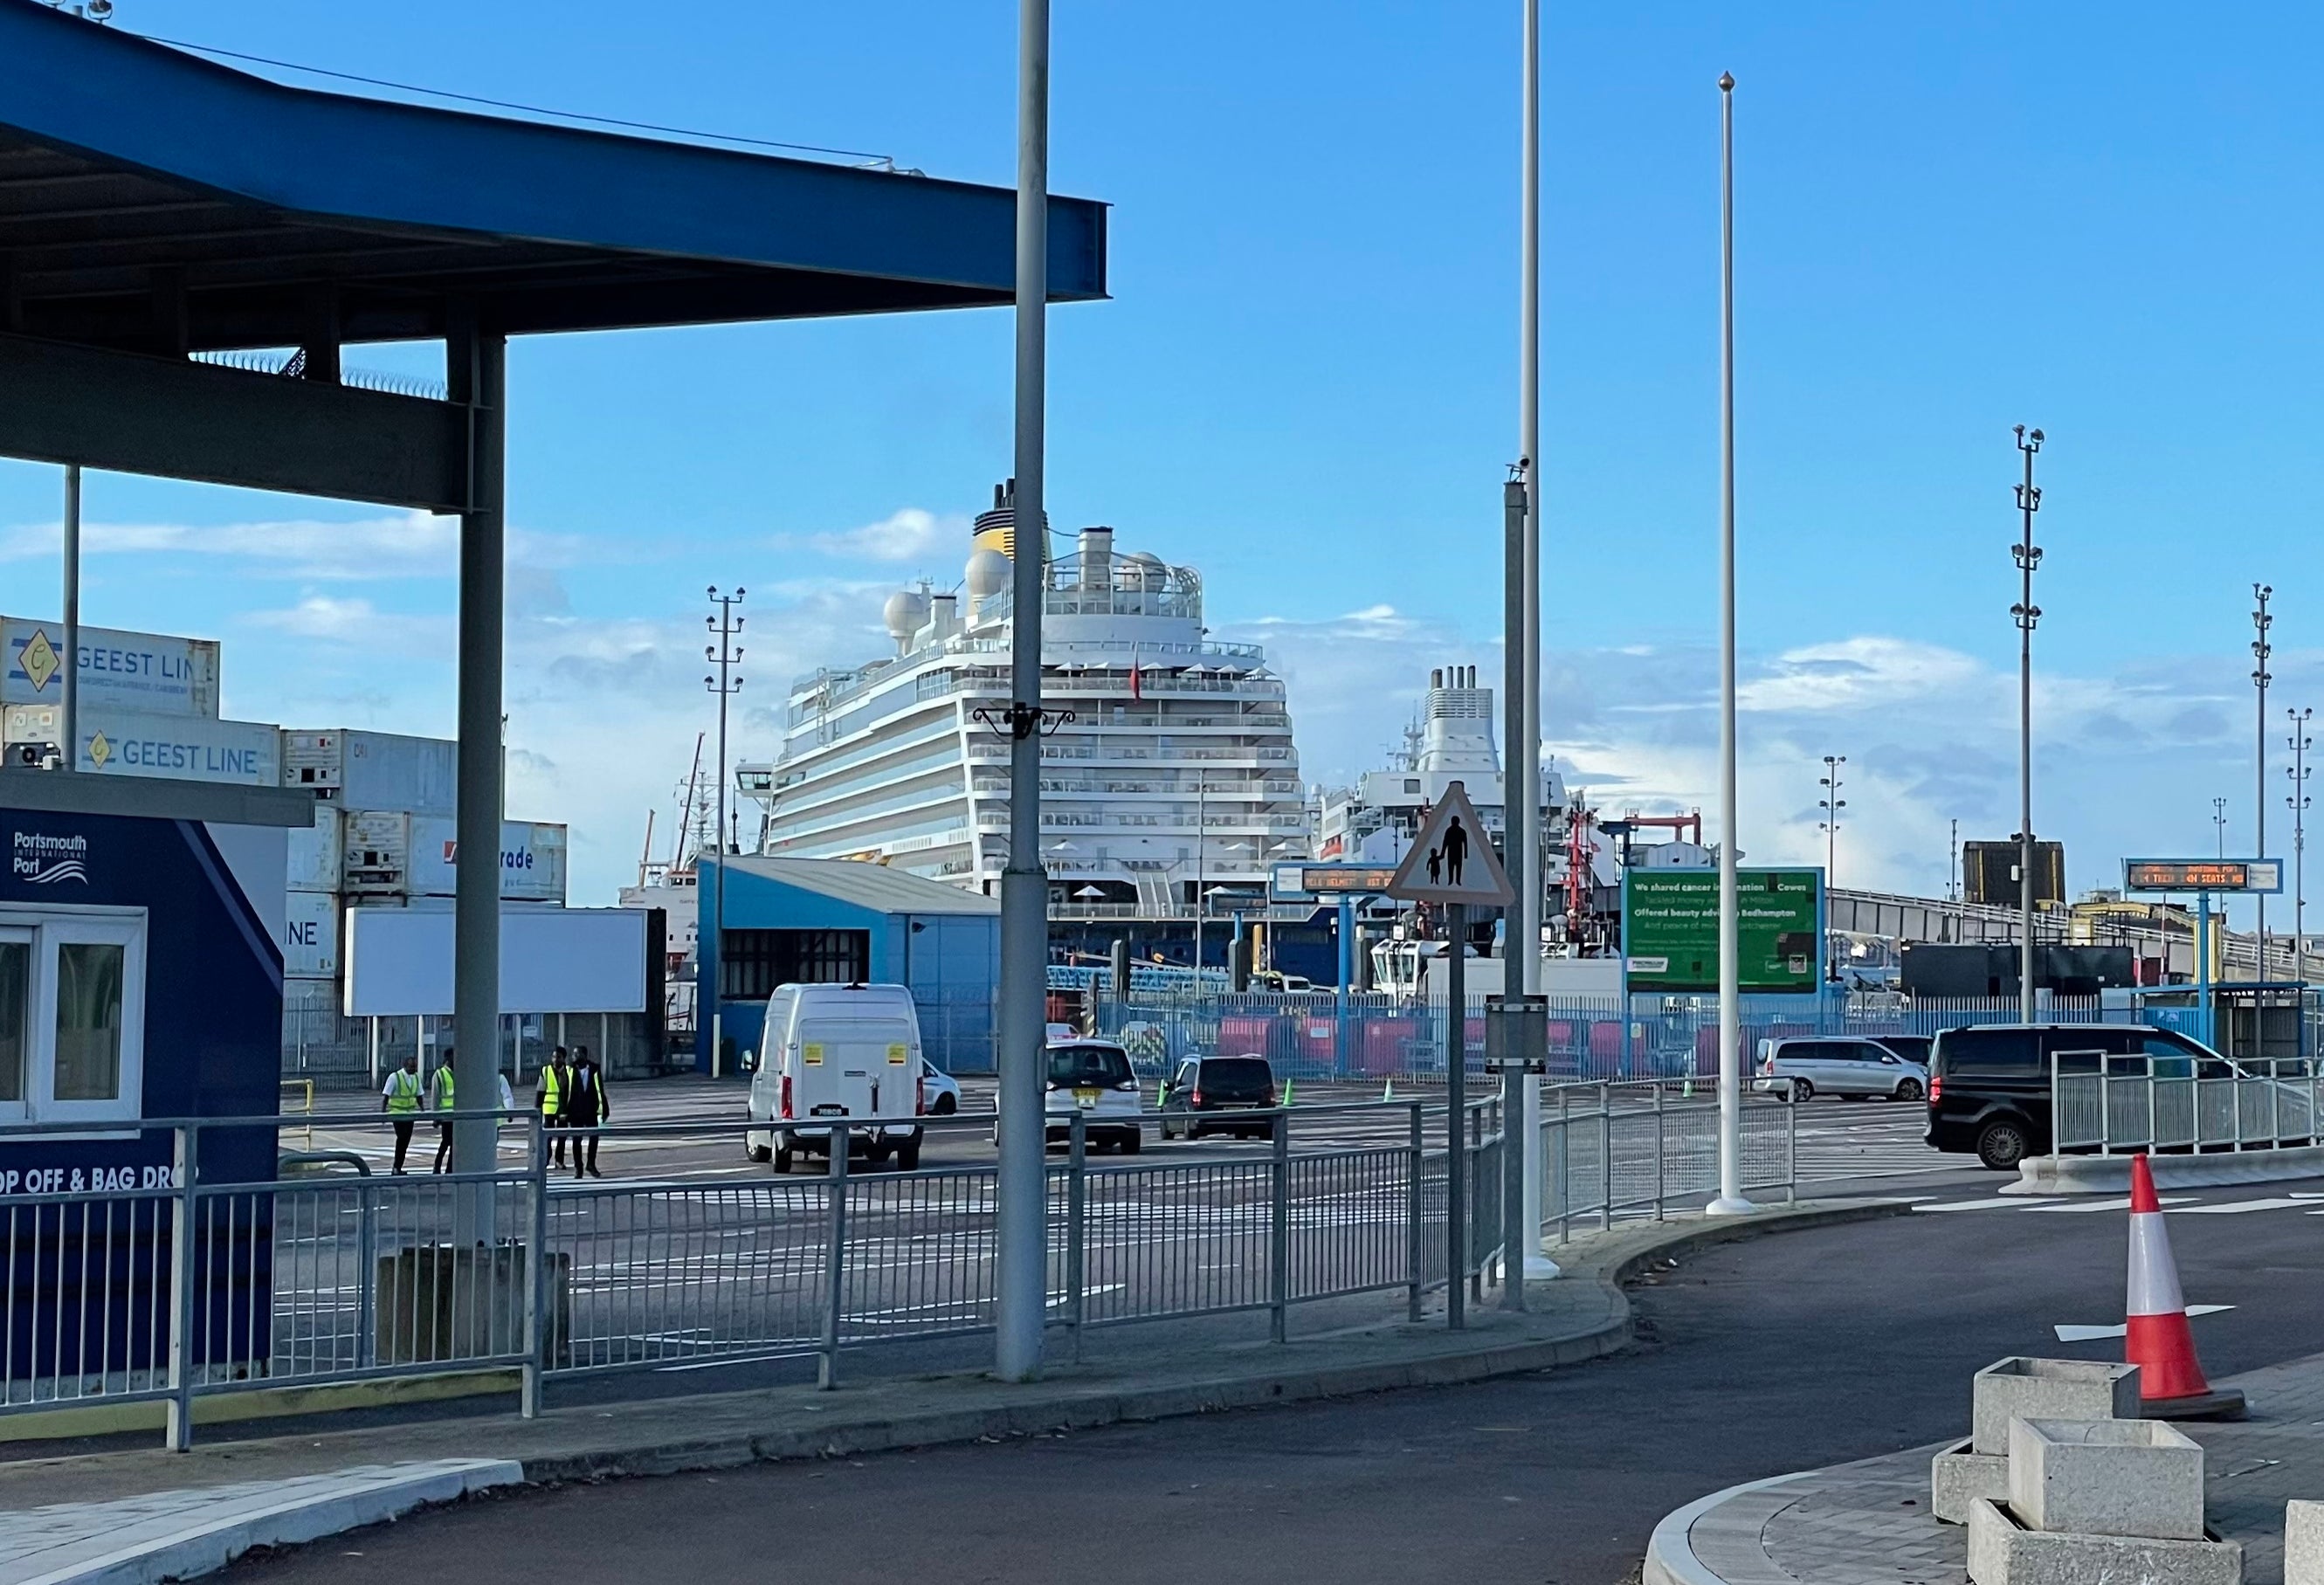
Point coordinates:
[[1021, 1236], [2026, 613], [1730, 1199], [726, 626], [69, 733]]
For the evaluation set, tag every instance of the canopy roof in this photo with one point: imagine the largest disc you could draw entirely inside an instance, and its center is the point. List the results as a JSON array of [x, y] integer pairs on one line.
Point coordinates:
[[154, 201]]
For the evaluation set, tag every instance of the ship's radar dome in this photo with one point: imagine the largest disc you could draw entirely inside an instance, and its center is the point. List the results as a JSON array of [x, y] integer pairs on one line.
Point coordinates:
[[906, 614], [988, 572]]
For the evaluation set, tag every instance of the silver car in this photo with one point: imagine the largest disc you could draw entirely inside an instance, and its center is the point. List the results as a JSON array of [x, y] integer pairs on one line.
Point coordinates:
[[1802, 1069]]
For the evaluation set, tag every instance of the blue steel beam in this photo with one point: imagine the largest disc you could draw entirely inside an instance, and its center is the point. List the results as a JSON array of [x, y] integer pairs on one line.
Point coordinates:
[[392, 173]]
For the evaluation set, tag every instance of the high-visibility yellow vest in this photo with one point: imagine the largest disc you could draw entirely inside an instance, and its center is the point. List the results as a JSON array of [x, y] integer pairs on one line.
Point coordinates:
[[444, 1089], [552, 1089], [403, 1090]]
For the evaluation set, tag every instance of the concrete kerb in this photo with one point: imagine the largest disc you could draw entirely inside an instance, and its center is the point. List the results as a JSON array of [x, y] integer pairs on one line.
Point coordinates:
[[729, 1430], [1670, 1557], [2110, 1175]]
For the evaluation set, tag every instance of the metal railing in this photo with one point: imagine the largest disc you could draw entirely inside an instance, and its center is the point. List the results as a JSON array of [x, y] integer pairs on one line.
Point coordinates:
[[2106, 1104], [1615, 1150], [213, 1265]]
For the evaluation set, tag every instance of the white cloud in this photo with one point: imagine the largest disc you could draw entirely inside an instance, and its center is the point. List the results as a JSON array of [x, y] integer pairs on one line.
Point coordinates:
[[908, 534], [400, 544], [1857, 673], [2126, 758]]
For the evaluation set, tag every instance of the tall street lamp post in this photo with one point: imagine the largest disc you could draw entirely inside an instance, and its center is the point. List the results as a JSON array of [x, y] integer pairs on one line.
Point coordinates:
[[2261, 677], [2026, 613], [725, 627], [2299, 743], [1832, 804], [1730, 1199]]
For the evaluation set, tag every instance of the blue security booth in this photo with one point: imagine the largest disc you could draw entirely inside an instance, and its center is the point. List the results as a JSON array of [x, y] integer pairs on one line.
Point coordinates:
[[839, 921], [140, 979]]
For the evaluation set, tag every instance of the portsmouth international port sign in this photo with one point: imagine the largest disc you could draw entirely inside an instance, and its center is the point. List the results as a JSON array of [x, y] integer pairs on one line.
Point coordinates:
[[1670, 930]]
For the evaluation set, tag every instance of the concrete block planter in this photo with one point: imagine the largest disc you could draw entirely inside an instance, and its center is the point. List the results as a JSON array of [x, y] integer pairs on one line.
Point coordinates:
[[2022, 1388], [2003, 1552], [1957, 1478], [2303, 1543], [2106, 1478]]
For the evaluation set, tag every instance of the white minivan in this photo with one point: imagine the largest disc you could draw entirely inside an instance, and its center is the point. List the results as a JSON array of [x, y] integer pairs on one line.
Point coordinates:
[[837, 1051]]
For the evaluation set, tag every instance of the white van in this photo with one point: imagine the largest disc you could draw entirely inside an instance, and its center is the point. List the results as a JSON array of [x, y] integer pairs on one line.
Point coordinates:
[[834, 1051]]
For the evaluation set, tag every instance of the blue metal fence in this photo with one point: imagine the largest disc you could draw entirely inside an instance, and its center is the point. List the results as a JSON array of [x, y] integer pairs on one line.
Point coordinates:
[[1311, 1038]]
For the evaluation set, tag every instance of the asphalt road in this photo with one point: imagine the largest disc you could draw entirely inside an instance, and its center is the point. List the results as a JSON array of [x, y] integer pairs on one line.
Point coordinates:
[[1762, 1358]]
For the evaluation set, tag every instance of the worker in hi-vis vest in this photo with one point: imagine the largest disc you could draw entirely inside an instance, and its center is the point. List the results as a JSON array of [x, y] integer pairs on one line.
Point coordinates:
[[549, 1096], [441, 1098], [401, 1097]]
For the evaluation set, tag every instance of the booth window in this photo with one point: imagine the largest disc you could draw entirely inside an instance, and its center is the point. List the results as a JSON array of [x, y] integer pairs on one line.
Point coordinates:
[[15, 1016], [752, 963], [89, 1020], [72, 1014]]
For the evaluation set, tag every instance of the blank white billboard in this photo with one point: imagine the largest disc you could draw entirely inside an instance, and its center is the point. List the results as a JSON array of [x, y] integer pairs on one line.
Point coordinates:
[[398, 961]]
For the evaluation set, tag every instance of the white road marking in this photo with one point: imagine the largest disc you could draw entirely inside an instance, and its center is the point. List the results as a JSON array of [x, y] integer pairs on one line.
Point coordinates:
[[2121, 1205], [1996, 1203], [2083, 1335], [2236, 1207]]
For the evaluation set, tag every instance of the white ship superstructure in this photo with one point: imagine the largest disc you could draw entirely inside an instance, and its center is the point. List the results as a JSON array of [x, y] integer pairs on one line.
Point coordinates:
[[1172, 778], [1451, 739]]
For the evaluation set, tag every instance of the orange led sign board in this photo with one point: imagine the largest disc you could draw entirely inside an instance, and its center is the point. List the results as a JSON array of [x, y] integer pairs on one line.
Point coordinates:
[[2255, 875]]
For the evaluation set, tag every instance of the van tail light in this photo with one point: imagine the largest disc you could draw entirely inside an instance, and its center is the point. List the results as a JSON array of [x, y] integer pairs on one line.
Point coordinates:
[[1936, 1086], [920, 1097], [1767, 1064], [1195, 1099], [786, 1097], [1272, 1094]]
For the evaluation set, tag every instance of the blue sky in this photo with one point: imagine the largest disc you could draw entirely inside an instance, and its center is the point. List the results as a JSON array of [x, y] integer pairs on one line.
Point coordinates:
[[2095, 219]]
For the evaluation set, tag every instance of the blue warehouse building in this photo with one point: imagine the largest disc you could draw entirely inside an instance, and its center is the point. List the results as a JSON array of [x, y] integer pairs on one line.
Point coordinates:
[[838, 921]]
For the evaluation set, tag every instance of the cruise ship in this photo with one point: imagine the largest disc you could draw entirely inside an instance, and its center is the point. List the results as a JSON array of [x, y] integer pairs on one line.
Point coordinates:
[[1450, 740], [1167, 792]]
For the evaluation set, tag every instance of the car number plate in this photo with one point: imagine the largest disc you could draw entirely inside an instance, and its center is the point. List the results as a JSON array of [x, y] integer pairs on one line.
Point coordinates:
[[830, 1111], [1084, 1098]]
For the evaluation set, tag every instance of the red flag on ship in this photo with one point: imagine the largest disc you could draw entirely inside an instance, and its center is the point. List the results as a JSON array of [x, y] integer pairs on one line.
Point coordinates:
[[1134, 692]]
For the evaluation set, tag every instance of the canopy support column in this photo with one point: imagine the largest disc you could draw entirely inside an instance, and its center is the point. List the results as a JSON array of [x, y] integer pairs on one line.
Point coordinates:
[[477, 360]]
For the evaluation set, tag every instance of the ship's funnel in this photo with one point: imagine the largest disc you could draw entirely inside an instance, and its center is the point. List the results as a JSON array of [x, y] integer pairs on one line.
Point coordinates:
[[997, 529]]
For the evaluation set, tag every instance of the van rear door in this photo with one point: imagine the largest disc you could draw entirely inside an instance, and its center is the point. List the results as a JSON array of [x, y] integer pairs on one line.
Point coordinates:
[[855, 1068]]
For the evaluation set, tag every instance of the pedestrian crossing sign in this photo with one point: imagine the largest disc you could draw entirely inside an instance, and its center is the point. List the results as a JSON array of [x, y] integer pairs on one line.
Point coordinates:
[[1452, 860]]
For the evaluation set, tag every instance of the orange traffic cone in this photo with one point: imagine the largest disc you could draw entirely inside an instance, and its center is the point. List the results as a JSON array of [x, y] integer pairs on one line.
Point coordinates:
[[2156, 1337]]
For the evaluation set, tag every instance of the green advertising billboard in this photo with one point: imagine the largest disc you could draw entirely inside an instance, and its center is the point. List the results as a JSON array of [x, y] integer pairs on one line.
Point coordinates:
[[1670, 930]]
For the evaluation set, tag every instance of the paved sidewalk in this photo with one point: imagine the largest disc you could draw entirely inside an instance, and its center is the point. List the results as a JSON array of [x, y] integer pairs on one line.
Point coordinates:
[[1868, 1523], [178, 1533], [68, 1509]]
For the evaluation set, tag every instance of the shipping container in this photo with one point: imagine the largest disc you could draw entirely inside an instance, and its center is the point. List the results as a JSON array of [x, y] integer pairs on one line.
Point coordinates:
[[314, 862], [376, 852], [532, 860], [374, 769], [152, 673], [176, 748], [311, 935]]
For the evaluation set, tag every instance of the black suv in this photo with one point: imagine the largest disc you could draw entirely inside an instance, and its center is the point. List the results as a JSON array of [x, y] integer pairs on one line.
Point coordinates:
[[1211, 1095], [1989, 1083]]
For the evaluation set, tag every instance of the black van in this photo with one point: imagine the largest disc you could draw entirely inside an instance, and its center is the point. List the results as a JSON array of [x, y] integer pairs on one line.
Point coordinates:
[[1989, 1083]]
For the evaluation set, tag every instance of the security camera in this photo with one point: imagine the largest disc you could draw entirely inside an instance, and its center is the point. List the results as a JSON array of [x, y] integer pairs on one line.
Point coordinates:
[[100, 10]]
